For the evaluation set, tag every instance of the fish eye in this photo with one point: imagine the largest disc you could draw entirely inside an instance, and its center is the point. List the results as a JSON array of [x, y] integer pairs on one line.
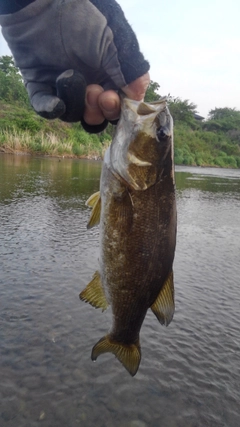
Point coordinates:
[[162, 133]]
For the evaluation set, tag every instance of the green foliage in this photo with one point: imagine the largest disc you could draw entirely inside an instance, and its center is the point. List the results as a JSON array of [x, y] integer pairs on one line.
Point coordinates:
[[223, 160], [151, 93], [215, 141], [104, 137], [204, 148], [17, 118], [224, 113], [7, 65], [82, 140], [234, 135], [22, 129], [183, 111], [26, 122], [11, 85], [224, 120]]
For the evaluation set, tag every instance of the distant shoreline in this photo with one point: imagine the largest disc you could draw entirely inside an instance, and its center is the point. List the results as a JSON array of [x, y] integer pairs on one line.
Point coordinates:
[[8, 150], [86, 157]]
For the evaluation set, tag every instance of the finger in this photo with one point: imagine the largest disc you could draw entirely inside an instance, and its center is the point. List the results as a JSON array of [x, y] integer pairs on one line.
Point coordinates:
[[93, 114], [109, 102], [136, 90]]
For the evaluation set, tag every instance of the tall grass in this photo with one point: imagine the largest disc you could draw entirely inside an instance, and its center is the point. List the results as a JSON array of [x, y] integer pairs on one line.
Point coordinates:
[[76, 145]]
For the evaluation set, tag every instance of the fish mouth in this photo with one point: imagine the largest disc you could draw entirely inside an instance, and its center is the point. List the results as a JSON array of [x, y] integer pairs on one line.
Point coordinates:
[[142, 141]]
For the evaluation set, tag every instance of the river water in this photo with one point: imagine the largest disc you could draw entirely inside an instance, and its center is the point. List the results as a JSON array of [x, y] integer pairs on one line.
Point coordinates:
[[190, 372]]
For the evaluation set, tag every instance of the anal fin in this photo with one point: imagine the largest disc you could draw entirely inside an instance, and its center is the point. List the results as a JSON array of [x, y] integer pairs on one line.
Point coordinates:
[[128, 354], [164, 306], [94, 293]]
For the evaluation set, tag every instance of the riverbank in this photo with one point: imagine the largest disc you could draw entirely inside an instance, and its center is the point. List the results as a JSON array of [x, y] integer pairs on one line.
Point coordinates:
[[23, 143], [49, 145], [23, 131], [94, 155]]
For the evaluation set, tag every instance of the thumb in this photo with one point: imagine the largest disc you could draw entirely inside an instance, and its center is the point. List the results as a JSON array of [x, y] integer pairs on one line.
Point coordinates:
[[136, 90]]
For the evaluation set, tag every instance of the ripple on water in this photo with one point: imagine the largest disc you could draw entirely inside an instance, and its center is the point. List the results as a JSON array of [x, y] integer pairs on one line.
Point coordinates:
[[189, 374]]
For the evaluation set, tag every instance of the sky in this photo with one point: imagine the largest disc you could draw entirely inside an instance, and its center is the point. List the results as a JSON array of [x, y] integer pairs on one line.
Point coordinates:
[[193, 48]]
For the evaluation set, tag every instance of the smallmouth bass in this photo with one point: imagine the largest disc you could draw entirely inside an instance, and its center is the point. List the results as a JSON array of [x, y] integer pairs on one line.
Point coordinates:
[[136, 209]]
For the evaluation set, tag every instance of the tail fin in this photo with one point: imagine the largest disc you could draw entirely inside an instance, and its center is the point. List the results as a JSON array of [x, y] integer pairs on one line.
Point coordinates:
[[128, 354]]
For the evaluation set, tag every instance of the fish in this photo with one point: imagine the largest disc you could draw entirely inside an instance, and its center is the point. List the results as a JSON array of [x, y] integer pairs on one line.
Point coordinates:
[[136, 212]]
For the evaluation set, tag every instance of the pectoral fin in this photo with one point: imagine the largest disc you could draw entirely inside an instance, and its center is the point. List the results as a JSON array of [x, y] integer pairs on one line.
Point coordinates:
[[94, 202], [136, 161], [91, 201], [128, 354], [163, 307], [94, 294]]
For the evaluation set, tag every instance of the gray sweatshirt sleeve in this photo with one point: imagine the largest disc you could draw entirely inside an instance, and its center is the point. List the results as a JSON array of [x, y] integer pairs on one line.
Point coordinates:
[[91, 37]]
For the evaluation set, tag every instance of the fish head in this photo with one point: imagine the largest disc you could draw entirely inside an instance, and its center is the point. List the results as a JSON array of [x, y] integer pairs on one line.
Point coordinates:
[[142, 148]]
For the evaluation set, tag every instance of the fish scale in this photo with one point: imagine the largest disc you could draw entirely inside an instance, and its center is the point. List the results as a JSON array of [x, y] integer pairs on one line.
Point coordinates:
[[136, 212]]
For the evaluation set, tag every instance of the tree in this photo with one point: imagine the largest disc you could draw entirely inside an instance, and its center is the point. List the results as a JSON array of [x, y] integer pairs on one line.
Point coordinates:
[[182, 111], [225, 120], [7, 66], [223, 113], [151, 94], [11, 85]]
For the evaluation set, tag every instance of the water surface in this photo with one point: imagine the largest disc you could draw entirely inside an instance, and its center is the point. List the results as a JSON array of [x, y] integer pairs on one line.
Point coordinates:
[[190, 372]]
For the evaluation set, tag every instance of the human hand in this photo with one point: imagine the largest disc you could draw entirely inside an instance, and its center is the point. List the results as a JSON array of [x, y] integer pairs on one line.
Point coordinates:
[[103, 105], [72, 53], [95, 107]]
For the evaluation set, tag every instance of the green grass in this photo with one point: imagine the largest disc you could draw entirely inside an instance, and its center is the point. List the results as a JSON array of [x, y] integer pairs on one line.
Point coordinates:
[[49, 144], [21, 129]]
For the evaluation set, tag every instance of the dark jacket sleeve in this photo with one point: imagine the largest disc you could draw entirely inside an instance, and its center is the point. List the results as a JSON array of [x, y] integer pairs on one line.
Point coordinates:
[[13, 6], [48, 37], [132, 62], [60, 46]]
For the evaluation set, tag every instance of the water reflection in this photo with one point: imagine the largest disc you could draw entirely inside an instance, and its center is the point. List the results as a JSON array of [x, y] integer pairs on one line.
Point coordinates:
[[189, 374], [58, 178], [208, 179]]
